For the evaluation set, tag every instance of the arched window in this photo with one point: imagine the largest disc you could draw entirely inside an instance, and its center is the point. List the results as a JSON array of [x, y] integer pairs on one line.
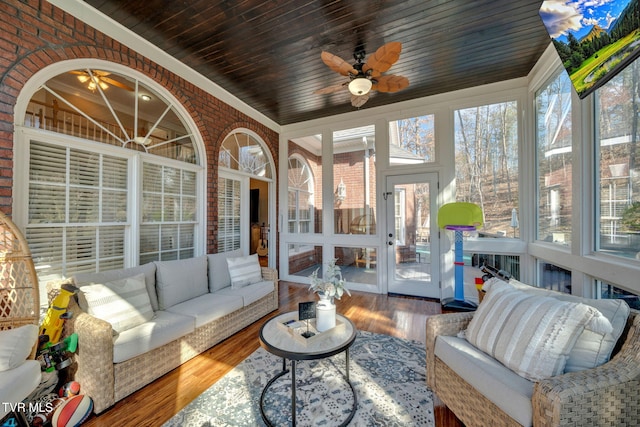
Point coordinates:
[[114, 178], [300, 196], [242, 152], [243, 164]]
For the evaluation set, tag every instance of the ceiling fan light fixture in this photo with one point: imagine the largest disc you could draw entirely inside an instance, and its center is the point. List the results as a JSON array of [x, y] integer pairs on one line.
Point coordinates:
[[360, 86], [142, 140]]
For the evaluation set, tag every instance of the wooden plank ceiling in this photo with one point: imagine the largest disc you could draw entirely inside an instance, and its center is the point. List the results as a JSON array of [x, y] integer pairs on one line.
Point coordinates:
[[267, 52]]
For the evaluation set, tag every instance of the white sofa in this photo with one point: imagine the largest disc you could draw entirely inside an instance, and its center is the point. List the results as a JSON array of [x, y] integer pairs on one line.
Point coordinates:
[[590, 389], [194, 306]]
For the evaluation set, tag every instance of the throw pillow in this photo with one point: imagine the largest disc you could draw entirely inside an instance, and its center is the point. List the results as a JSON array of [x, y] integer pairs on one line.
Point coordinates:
[[219, 270], [531, 335], [16, 345], [244, 270], [149, 270], [124, 303], [591, 349], [181, 280]]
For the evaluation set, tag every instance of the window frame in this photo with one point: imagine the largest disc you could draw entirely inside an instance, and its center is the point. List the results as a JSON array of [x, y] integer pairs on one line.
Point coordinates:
[[23, 135], [297, 192]]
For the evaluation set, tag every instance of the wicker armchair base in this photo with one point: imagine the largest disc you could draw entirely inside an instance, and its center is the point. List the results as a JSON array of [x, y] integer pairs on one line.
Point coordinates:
[[107, 383], [603, 396], [469, 405]]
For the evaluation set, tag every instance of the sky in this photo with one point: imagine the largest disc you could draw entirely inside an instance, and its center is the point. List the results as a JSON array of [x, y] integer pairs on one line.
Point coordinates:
[[579, 16]]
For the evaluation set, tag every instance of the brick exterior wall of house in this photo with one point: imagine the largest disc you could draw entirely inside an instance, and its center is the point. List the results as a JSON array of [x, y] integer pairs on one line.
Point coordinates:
[[34, 34]]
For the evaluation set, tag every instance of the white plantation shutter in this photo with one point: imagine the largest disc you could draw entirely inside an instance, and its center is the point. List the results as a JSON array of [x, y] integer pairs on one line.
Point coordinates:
[[77, 209], [169, 213], [228, 214]]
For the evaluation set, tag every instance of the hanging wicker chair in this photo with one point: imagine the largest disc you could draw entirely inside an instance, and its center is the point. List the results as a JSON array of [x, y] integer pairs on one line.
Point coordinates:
[[19, 294]]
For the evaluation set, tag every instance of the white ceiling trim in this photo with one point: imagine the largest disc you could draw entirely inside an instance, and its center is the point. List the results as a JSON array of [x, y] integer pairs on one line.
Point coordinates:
[[116, 31]]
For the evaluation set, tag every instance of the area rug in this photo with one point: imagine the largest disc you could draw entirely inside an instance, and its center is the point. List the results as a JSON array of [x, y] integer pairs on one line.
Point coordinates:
[[387, 373]]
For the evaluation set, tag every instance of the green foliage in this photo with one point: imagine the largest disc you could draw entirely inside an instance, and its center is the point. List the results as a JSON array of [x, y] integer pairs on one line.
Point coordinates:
[[631, 217]]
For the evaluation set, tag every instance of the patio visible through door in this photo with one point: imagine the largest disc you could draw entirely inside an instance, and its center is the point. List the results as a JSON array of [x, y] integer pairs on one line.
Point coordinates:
[[412, 235]]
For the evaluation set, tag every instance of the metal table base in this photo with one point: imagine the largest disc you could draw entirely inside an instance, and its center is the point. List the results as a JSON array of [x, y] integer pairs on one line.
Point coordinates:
[[293, 392]]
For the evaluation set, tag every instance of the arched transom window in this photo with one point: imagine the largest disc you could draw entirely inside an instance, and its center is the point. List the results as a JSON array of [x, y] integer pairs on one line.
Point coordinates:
[[113, 109], [241, 151]]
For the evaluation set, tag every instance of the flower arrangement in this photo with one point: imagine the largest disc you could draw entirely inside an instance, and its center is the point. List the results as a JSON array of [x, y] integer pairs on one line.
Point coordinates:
[[331, 286]]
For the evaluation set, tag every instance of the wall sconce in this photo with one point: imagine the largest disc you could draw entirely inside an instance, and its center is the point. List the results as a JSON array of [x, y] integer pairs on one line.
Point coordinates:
[[341, 192]]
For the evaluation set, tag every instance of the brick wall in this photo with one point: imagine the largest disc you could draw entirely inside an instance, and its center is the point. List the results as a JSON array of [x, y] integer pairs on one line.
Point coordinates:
[[35, 34]]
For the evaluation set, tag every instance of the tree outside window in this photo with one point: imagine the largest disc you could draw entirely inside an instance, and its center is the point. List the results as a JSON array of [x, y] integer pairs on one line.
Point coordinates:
[[618, 107], [554, 160], [486, 158]]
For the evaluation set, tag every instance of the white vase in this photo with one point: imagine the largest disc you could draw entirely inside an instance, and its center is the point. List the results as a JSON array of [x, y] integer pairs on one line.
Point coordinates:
[[325, 314]]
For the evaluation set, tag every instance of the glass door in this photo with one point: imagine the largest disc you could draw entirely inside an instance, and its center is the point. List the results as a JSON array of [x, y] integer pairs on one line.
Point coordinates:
[[412, 235]]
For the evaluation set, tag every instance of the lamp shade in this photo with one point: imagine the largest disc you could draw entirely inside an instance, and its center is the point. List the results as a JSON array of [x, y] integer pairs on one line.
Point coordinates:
[[360, 86]]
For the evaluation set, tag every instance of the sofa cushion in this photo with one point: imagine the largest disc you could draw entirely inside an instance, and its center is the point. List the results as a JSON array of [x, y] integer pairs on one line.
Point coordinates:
[[531, 334], [509, 391], [148, 269], [591, 349], [219, 270], [162, 329], [16, 384], [207, 308], [180, 280], [250, 293], [124, 303], [244, 270], [16, 345]]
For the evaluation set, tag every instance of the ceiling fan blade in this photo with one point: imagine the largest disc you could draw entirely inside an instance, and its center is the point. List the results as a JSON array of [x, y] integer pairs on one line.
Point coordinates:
[[391, 83], [116, 83], [337, 64], [383, 58], [330, 89], [359, 100]]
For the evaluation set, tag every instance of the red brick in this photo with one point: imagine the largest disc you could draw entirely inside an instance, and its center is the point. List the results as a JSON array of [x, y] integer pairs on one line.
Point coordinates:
[[36, 34]]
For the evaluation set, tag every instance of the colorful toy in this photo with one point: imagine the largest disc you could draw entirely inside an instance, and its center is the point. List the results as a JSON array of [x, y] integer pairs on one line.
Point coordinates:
[[490, 271], [55, 356], [72, 388], [57, 313], [73, 412], [459, 217], [48, 405]]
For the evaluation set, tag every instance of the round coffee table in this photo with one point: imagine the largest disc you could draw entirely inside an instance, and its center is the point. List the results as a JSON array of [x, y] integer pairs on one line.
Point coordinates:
[[276, 339]]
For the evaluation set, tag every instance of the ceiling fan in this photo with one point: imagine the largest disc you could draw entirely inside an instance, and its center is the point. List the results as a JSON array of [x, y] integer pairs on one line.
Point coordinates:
[[366, 76], [95, 78]]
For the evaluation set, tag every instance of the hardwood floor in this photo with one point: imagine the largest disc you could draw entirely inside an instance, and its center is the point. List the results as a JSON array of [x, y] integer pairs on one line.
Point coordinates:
[[153, 405]]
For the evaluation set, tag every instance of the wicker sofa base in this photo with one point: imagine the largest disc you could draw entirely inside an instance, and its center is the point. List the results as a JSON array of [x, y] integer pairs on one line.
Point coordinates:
[[107, 383]]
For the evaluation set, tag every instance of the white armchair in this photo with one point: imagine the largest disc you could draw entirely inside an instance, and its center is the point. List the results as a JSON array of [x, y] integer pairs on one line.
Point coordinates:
[[19, 376], [19, 318]]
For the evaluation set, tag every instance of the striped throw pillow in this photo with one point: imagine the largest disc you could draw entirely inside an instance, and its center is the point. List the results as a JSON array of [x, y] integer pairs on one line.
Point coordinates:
[[531, 335], [244, 270], [124, 303]]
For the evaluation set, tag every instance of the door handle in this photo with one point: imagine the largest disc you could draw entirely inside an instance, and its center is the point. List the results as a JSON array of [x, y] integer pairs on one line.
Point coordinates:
[[390, 243]]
